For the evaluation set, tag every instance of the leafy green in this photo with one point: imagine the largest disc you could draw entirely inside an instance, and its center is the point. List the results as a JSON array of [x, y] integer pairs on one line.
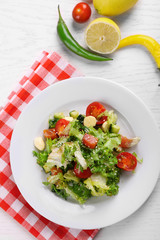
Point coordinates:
[[98, 133], [75, 130], [69, 150], [72, 139], [46, 183], [58, 142], [113, 189], [49, 144], [48, 166], [80, 118], [60, 192], [113, 142], [69, 175], [54, 178], [101, 159], [97, 184], [113, 175], [78, 191], [140, 160], [52, 122], [69, 166], [41, 157], [112, 117]]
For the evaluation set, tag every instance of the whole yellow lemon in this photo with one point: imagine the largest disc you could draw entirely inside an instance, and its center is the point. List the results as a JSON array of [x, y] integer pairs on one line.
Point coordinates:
[[113, 7]]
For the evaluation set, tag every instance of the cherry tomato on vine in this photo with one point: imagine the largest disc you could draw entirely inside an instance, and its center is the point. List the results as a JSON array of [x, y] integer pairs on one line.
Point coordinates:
[[81, 12], [85, 174], [126, 161], [94, 109]]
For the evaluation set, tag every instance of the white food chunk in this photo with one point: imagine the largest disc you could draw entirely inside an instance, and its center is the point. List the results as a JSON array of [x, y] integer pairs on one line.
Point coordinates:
[[96, 177], [90, 121], [39, 143], [70, 119], [55, 157], [56, 154], [66, 130], [80, 159], [105, 126], [135, 141]]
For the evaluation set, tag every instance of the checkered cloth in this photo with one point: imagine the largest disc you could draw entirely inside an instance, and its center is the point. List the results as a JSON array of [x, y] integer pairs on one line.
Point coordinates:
[[48, 69]]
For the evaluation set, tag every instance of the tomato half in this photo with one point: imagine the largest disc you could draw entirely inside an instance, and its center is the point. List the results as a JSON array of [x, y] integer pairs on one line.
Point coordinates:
[[50, 133], [60, 126], [94, 109], [55, 171], [81, 12], [101, 120], [126, 161], [89, 140], [85, 174], [125, 142]]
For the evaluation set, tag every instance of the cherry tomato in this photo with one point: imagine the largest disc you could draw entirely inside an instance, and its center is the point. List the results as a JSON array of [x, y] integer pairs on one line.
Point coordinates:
[[125, 142], [55, 171], [95, 109], [60, 126], [101, 120], [85, 174], [50, 133], [126, 161], [81, 12], [89, 140]]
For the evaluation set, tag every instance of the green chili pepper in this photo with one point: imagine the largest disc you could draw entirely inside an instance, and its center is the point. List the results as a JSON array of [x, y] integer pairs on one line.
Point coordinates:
[[72, 44]]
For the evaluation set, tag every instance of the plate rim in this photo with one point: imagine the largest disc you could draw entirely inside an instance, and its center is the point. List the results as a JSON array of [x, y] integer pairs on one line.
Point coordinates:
[[62, 83]]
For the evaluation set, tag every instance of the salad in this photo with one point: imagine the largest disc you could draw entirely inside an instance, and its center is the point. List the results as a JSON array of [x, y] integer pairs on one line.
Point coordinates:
[[84, 155]]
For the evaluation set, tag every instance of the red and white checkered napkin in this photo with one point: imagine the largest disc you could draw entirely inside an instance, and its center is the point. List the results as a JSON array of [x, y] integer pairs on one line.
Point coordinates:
[[48, 69]]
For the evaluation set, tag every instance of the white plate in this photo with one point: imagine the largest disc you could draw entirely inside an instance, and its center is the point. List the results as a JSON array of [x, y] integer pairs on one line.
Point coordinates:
[[134, 119]]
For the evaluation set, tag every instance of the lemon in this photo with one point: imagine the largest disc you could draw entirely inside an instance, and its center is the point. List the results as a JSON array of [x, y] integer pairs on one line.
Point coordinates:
[[102, 35], [113, 7]]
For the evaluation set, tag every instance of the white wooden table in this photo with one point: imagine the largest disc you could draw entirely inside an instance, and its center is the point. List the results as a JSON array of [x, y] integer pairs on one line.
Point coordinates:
[[28, 27]]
